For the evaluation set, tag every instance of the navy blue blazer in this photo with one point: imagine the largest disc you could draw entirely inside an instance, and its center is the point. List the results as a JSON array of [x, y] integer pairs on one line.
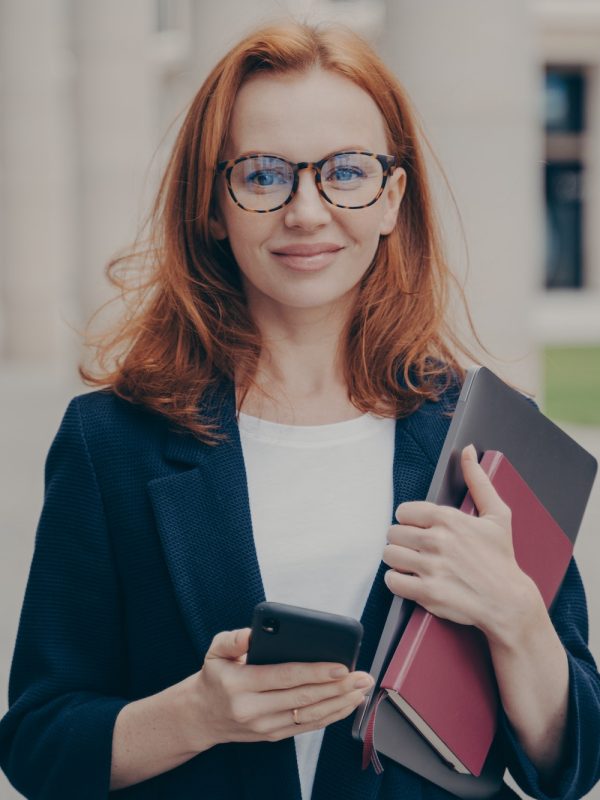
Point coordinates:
[[144, 552]]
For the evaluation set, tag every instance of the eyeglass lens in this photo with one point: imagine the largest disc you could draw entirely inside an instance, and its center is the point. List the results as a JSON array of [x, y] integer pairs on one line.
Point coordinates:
[[262, 183]]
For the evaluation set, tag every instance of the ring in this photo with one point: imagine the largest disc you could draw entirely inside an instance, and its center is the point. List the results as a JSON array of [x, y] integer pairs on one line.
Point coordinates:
[[295, 716]]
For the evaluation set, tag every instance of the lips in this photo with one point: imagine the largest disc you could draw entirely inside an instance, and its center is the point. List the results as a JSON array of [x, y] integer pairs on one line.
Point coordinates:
[[306, 249], [307, 257]]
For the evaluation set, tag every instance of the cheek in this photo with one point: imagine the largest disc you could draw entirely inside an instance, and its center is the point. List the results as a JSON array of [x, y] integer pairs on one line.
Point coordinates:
[[365, 230], [365, 223], [246, 232]]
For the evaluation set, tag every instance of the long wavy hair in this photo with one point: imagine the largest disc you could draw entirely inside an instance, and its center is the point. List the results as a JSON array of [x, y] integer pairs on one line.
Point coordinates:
[[187, 326]]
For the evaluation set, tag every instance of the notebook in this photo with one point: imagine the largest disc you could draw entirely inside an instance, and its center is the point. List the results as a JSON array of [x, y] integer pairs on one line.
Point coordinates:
[[440, 676]]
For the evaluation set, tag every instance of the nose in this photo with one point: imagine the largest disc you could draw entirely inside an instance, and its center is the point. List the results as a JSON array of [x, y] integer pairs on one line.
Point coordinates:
[[307, 209]]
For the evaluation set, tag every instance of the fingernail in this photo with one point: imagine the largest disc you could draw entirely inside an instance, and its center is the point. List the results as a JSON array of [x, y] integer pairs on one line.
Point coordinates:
[[363, 682], [339, 672], [471, 452]]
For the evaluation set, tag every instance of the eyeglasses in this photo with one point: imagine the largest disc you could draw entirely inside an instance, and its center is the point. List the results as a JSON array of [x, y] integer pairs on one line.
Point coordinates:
[[263, 183]]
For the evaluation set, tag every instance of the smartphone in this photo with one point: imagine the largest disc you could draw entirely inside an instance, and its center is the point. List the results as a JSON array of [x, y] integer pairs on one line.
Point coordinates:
[[282, 633]]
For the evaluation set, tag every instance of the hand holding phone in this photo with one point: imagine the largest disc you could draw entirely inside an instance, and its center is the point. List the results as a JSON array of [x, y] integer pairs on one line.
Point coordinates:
[[230, 700]]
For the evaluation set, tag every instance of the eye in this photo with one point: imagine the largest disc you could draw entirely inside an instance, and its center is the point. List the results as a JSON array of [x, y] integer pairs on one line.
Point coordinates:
[[265, 178], [345, 173]]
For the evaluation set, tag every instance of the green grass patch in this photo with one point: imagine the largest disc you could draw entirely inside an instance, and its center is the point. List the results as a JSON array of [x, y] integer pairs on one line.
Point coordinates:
[[572, 384]]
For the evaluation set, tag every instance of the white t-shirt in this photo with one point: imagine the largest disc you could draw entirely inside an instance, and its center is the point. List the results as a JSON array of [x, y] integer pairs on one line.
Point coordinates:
[[321, 502]]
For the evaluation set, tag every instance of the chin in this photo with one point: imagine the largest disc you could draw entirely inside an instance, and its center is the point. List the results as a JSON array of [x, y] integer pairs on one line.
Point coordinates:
[[312, 294], [308, 300]]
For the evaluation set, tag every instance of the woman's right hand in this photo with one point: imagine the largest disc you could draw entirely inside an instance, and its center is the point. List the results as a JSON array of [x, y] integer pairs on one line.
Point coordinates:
[[239, 702]]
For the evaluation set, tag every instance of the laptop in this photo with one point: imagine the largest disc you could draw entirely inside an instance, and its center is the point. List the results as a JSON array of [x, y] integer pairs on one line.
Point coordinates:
[[493, 416]]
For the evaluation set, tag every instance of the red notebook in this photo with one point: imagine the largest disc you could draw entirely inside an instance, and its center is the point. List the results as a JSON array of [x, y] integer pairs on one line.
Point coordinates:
[[441, 675]]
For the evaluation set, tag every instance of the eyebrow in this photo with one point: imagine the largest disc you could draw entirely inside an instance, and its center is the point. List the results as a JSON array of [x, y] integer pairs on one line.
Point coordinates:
[[344, 149]]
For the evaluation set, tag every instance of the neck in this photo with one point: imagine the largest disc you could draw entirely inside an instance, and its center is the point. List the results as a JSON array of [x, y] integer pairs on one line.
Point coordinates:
[[300, 377]]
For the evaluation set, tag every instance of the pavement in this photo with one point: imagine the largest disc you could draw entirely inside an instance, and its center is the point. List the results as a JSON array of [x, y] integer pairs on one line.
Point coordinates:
[[33, 400]]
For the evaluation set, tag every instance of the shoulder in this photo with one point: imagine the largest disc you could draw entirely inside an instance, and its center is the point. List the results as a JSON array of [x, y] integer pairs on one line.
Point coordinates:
[[104, 411], [108, 427], [429, 424]]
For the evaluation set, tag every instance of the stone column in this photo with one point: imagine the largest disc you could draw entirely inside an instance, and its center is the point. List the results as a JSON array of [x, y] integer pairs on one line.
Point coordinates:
[[471, 70], [592, 188], [36, 180], [117, 133], [218, 26]]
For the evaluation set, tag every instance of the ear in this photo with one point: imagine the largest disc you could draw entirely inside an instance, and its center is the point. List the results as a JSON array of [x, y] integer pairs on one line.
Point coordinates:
[[392, 197], [216, 218], [216, 224]]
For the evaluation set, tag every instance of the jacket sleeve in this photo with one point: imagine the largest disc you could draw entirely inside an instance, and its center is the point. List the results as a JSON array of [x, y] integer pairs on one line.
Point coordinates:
[[68, 673], [581, 766]]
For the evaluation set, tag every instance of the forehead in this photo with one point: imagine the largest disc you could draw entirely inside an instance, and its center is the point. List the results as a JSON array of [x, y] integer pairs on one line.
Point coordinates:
[[304, 116]]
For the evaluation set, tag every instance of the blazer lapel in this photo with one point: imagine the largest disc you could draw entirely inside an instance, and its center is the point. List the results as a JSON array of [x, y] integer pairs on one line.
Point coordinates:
[[339, 772], [203, 519]]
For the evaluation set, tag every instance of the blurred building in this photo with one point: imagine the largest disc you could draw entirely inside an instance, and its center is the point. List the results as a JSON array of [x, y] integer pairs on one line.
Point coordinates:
[[569, 47], [508, 92]]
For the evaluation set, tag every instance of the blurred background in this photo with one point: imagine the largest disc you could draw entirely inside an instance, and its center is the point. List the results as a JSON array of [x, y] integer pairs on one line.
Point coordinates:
[[91, 94]]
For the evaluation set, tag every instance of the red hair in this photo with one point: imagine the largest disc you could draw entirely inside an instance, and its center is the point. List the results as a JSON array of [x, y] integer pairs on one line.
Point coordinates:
[[189, 327]]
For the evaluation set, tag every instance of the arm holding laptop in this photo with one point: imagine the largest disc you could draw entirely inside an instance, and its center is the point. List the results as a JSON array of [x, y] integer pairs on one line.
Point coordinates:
[[464, 569]]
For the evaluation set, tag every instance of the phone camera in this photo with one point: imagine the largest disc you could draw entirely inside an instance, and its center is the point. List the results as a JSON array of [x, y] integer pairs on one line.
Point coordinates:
[[270, 625]]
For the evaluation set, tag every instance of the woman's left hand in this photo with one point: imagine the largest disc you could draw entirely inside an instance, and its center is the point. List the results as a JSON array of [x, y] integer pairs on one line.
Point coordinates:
[[458, 566]]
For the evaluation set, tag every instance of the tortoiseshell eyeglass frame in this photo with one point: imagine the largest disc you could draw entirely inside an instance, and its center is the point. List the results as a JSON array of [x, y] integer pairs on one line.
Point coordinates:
[[388, 164]]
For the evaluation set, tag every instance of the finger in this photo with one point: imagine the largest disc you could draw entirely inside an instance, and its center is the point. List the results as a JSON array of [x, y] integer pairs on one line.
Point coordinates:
[[316, 716], [269, 677], [408, 586], [419, 513], [302, 696], [406, 536], [230, 644], [486, 498], [404, 559], [294, 730]]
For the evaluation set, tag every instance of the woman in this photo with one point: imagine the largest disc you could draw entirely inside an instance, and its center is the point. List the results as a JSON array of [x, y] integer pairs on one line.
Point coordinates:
[[282, 385]]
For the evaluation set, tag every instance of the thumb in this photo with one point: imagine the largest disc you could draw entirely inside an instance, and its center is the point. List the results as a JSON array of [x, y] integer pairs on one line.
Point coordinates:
[[230, 644], [485, 497]]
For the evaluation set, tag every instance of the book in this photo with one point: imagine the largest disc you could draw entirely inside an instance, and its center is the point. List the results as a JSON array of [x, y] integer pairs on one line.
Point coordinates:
[[440, 675]]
